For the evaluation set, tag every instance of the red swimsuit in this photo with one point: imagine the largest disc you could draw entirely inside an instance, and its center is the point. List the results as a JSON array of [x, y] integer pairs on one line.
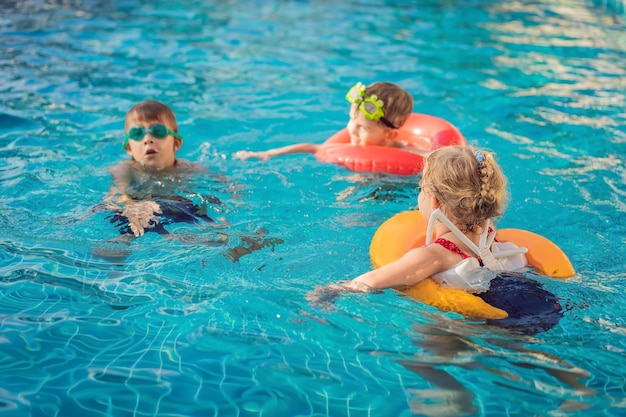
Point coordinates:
[[454, 248]]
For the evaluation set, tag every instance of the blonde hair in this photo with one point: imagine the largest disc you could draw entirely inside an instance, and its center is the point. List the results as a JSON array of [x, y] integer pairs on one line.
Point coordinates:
[[398, 103], [468, 183], [151, 111]]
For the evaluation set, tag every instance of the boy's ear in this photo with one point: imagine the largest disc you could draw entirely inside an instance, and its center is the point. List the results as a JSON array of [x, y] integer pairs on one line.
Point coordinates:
[[177, 144], [393, 134]]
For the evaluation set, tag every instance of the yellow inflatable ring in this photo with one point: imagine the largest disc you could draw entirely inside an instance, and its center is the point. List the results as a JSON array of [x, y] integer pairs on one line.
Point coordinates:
[[407, 230]]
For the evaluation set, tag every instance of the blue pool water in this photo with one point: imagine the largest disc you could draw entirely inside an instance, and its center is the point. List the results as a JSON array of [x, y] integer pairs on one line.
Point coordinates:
[[168, 328]]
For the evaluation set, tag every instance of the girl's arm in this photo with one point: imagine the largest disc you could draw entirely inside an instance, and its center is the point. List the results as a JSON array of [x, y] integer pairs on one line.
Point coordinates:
[[414, 266], [265, 155]]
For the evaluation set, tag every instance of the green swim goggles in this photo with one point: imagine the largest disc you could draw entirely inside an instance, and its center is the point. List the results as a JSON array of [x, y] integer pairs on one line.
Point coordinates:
[[158, 131], [371, 107]]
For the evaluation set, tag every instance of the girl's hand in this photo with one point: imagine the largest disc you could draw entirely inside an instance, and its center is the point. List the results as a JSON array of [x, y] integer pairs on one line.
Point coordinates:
[[327, 294]]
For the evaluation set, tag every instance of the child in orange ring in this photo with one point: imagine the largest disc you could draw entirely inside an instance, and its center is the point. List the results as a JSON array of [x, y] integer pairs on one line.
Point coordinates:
[[462, 189], [145, 186], [376, 113]]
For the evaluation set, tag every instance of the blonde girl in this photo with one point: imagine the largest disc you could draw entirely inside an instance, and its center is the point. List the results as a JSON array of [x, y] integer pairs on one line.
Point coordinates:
[[462, 190]]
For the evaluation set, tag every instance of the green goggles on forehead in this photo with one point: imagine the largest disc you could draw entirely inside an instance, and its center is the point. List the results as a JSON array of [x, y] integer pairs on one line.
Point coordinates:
[[371, 107], [157, 131]]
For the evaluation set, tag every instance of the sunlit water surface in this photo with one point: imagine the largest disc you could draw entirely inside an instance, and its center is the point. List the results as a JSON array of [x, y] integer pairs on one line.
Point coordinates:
[[170, 328]]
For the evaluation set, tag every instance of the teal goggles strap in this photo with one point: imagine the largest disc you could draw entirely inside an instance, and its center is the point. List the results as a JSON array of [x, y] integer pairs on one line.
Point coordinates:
[[158, 131], [371, 107]]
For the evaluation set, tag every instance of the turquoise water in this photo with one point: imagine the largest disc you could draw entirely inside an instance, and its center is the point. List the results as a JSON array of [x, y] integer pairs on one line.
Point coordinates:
[[179, 329]]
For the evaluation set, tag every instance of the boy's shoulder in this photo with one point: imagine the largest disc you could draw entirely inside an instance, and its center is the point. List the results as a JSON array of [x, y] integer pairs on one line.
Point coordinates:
[[184, 166], [131, 168], [123, 166]]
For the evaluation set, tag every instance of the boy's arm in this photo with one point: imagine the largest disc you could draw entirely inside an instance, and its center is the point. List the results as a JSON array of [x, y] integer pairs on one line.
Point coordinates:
[[265, 155], [141, 215], [122, 179]]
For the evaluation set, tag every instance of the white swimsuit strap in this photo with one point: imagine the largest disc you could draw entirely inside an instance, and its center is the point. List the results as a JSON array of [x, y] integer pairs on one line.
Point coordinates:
[[483, 250], [438, 215]]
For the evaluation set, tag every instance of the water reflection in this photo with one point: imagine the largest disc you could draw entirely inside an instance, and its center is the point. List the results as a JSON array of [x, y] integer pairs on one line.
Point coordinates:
[[490, 358]]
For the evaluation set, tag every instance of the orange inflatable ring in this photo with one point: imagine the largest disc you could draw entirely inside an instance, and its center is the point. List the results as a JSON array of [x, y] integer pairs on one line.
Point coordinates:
[[421, 131], [407, 230]]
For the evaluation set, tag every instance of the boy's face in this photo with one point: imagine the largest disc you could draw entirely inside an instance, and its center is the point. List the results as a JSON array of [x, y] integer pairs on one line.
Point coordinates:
[[365, 132], [150, 151]]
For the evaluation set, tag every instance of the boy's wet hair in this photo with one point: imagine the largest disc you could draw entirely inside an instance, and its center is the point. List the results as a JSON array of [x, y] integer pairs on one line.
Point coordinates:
[[152, 111], [398, 103]]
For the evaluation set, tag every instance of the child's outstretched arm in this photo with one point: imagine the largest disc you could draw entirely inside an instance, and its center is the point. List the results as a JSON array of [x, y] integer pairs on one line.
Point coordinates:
[[414, 266], [265, 155]]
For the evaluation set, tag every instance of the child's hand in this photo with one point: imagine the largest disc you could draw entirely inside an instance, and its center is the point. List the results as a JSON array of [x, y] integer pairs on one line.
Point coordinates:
[[141, 215], [327, 294], [243, 155]]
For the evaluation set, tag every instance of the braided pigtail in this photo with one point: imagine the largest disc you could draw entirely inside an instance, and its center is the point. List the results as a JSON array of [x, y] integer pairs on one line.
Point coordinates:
[[490, 183]]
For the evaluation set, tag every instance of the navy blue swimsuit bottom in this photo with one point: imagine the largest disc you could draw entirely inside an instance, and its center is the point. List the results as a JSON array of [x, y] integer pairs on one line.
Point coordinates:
[[531, 308], [173, 210]]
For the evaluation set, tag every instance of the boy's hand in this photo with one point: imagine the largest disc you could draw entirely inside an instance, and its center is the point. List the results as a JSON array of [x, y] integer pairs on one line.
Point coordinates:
[[141, 215]]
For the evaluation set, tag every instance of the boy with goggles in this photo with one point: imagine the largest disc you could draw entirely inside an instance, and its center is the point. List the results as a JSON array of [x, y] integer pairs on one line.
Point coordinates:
[[151, 188], [376, 113], [145, 186]]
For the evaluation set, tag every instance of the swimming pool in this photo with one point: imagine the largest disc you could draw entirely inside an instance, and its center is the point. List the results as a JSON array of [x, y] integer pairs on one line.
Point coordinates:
[[172, 329]]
